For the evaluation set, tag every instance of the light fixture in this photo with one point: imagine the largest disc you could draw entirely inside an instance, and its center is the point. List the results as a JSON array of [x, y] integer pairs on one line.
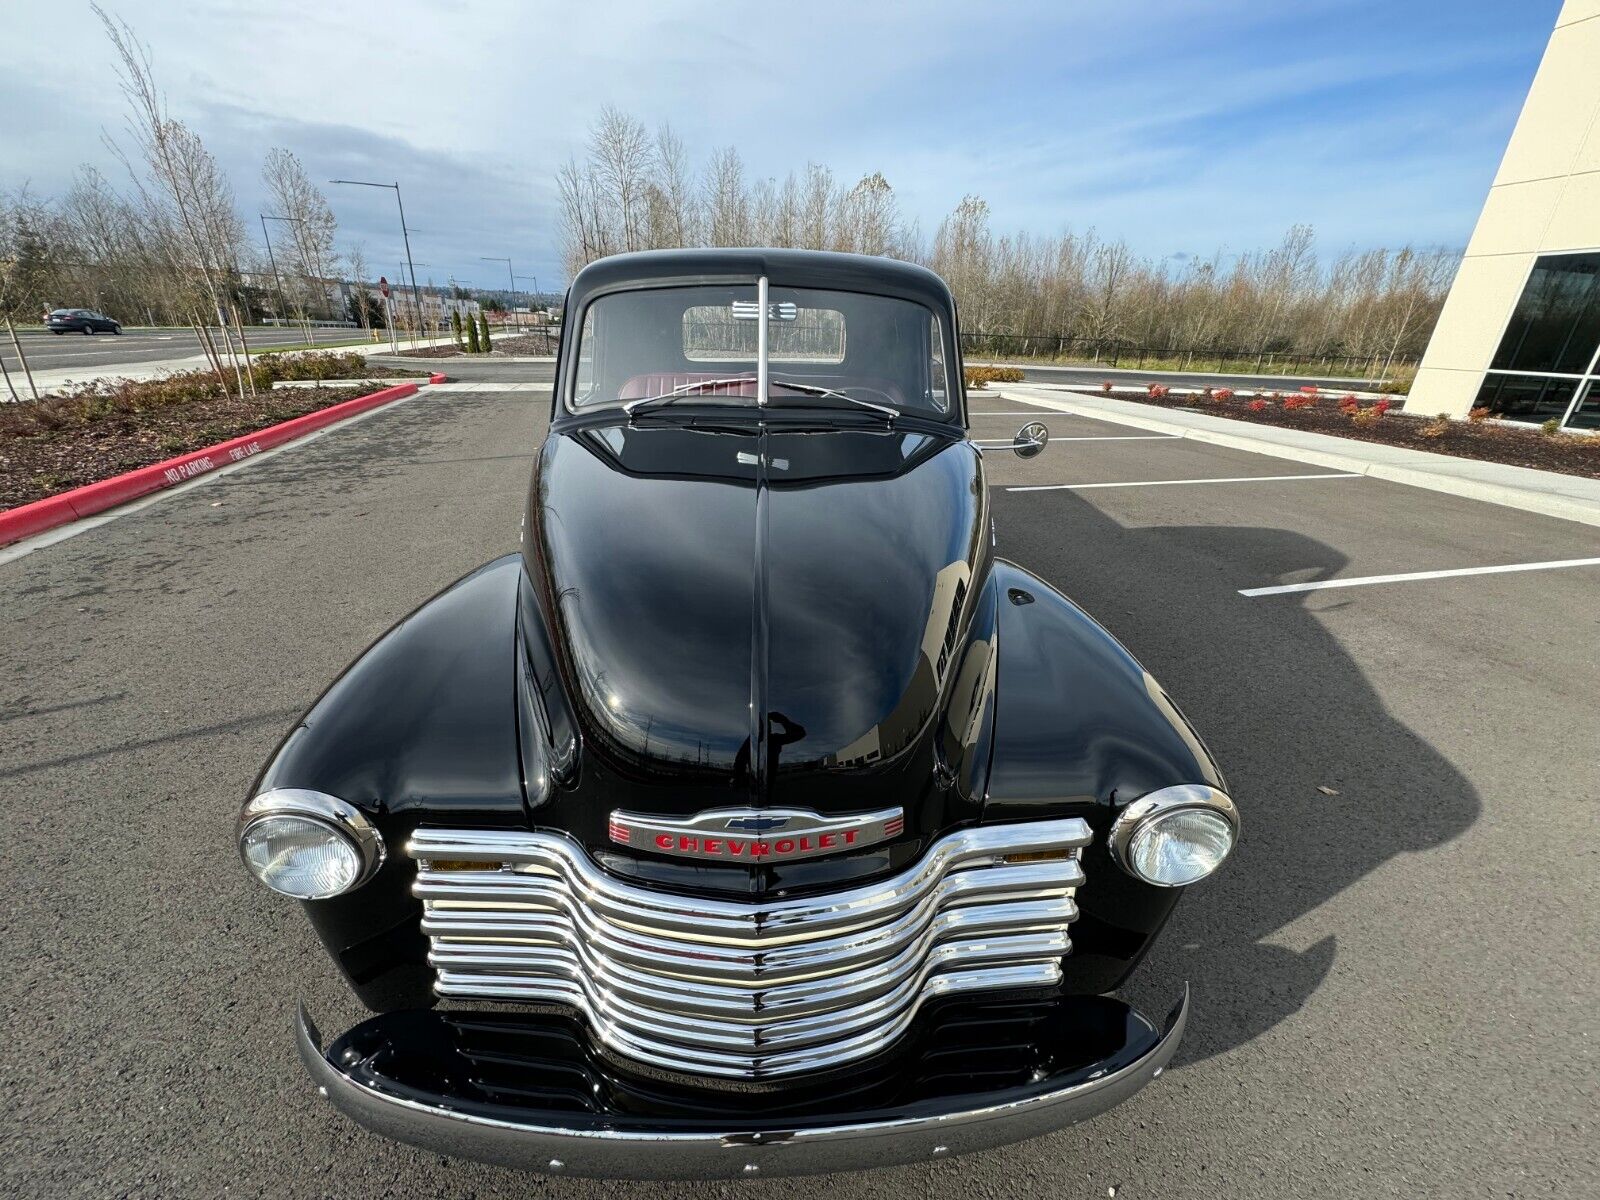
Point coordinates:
[[307, 844], [1175, 836]]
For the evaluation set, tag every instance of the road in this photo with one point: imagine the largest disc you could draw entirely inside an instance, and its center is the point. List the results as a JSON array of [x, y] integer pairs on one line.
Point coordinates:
[[1393, 980], [142, 347]]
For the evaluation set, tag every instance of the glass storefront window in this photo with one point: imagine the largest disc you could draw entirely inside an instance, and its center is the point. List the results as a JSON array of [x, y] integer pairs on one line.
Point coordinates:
[[1548, 361], [1526, 397], [1587, 414], [1556, 326]]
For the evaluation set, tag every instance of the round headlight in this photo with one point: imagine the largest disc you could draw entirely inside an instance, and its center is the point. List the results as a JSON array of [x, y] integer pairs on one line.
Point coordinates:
[[1176, 836], [308, 845]]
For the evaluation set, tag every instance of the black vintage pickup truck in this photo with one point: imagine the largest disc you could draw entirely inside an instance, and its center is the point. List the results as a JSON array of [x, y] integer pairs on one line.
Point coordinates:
[[754, 819]]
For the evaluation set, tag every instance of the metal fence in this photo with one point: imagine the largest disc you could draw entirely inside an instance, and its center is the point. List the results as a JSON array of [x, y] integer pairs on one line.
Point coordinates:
[[1087, 351]]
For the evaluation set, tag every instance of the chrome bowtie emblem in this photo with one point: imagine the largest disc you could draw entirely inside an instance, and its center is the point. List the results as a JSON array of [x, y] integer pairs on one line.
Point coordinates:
[[756, 824], [756, 835]]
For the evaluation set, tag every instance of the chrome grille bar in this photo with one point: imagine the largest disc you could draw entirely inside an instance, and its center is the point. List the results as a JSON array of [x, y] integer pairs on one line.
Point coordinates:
[[745, 989]]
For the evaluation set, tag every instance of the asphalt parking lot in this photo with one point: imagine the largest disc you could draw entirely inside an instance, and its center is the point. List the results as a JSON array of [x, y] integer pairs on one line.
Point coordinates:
[[1394, 980]]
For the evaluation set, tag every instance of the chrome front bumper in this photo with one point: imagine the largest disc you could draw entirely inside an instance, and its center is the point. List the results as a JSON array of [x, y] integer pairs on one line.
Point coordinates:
[[359, 1074]]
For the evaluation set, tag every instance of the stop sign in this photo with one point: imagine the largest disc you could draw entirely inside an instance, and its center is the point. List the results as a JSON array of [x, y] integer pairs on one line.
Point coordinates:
[[383, 286]]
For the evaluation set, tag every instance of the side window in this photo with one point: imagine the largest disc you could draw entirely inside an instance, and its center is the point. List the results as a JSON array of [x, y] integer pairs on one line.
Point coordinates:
[[583, 382], [938, 376]]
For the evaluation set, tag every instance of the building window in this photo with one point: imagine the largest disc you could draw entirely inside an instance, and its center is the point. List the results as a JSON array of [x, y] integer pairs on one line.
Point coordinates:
[[1549, 359]]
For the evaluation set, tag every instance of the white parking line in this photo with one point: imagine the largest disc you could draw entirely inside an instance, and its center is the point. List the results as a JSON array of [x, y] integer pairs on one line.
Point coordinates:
[[1076, 487], [1122, 437], [1412, 576]]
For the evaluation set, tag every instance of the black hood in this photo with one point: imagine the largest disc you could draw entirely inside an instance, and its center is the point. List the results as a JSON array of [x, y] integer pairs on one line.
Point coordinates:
[[748, 617]]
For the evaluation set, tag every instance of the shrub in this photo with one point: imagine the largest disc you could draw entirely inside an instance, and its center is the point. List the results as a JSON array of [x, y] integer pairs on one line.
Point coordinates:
[[1224, 394], [1158, 391], [103, 398], [1478, 415], [1106, 385], [978, 377], [311, 364], [1551, 427], [483, 333], [1293, 402], [472, 336], [1437, 427], [1258, 405], [1383, 406], [1365, 417], [1400, 380]]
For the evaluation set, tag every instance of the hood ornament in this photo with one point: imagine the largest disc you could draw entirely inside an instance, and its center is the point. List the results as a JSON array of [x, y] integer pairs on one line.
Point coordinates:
[[755, 835]]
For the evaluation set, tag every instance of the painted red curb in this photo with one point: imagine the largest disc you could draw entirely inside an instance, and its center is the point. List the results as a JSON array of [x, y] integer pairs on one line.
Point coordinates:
[[438, 377], [41, 515]]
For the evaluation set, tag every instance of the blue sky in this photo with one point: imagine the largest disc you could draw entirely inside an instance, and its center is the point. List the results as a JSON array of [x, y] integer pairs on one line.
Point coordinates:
[[1180, 125]]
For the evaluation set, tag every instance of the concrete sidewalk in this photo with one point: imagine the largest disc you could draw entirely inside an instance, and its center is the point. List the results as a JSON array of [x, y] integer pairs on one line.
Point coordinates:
[[1569, 497]]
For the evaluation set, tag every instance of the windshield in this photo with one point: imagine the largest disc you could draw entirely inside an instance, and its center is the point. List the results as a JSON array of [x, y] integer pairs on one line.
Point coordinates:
[[700, 344]]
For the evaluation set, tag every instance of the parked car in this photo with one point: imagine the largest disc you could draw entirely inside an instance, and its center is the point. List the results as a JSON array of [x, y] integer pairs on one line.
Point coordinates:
[[755, 818], [80, 320]]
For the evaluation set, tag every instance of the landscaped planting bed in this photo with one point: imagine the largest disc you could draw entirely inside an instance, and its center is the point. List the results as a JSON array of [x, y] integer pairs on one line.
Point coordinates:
[[105, 428], [1377, 421], [506, 345]]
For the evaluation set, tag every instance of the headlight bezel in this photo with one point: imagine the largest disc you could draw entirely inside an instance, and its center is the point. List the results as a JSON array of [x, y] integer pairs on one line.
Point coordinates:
[[1165, 802], [337, 816]]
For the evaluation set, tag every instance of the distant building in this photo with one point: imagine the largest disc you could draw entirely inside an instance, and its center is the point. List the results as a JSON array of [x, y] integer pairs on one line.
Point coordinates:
[[1520, 331]]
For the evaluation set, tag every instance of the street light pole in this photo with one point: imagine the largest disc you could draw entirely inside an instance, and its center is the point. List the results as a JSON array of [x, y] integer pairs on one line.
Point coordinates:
[[533, 298], [304, 325], [405, 234], [283, 304], [509, 273]]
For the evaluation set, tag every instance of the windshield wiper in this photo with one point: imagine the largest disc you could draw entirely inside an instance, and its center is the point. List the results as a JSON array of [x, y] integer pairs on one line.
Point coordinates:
[[810, 389], [685, 389]]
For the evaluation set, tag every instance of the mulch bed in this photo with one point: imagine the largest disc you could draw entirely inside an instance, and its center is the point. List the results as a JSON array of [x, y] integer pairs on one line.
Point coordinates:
[[41, 464], [505, 346], [1568, 454]]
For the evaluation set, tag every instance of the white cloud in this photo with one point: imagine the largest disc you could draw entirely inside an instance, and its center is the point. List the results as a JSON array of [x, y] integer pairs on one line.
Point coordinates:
[[1182, 124]]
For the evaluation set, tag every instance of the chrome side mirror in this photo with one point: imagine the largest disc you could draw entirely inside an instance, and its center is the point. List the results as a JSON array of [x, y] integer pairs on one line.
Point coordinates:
[[1031, 439]]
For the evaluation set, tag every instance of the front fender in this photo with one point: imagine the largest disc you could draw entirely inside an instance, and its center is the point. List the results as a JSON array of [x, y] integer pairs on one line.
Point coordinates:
[[424, 723], [1082, 729]]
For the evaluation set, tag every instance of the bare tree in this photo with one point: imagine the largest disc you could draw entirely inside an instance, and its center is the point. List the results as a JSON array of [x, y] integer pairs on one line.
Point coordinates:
[[675, 188], [188, 201], [727, 204], [1049, 290], [621, 156], [361, 297], [312, 228]]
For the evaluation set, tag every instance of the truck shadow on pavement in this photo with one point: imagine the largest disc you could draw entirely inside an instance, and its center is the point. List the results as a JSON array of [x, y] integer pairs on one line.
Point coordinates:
[[1331, 786]]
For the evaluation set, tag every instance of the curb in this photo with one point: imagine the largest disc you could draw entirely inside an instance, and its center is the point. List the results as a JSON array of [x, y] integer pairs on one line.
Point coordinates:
[[1545, 503], [43, 515]]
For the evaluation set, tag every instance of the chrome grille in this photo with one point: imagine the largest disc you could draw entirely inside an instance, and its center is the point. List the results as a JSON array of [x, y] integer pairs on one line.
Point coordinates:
[[745, 989]]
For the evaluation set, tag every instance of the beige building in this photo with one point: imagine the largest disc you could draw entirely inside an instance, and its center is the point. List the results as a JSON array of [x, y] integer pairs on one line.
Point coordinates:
[[1520, 331]]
